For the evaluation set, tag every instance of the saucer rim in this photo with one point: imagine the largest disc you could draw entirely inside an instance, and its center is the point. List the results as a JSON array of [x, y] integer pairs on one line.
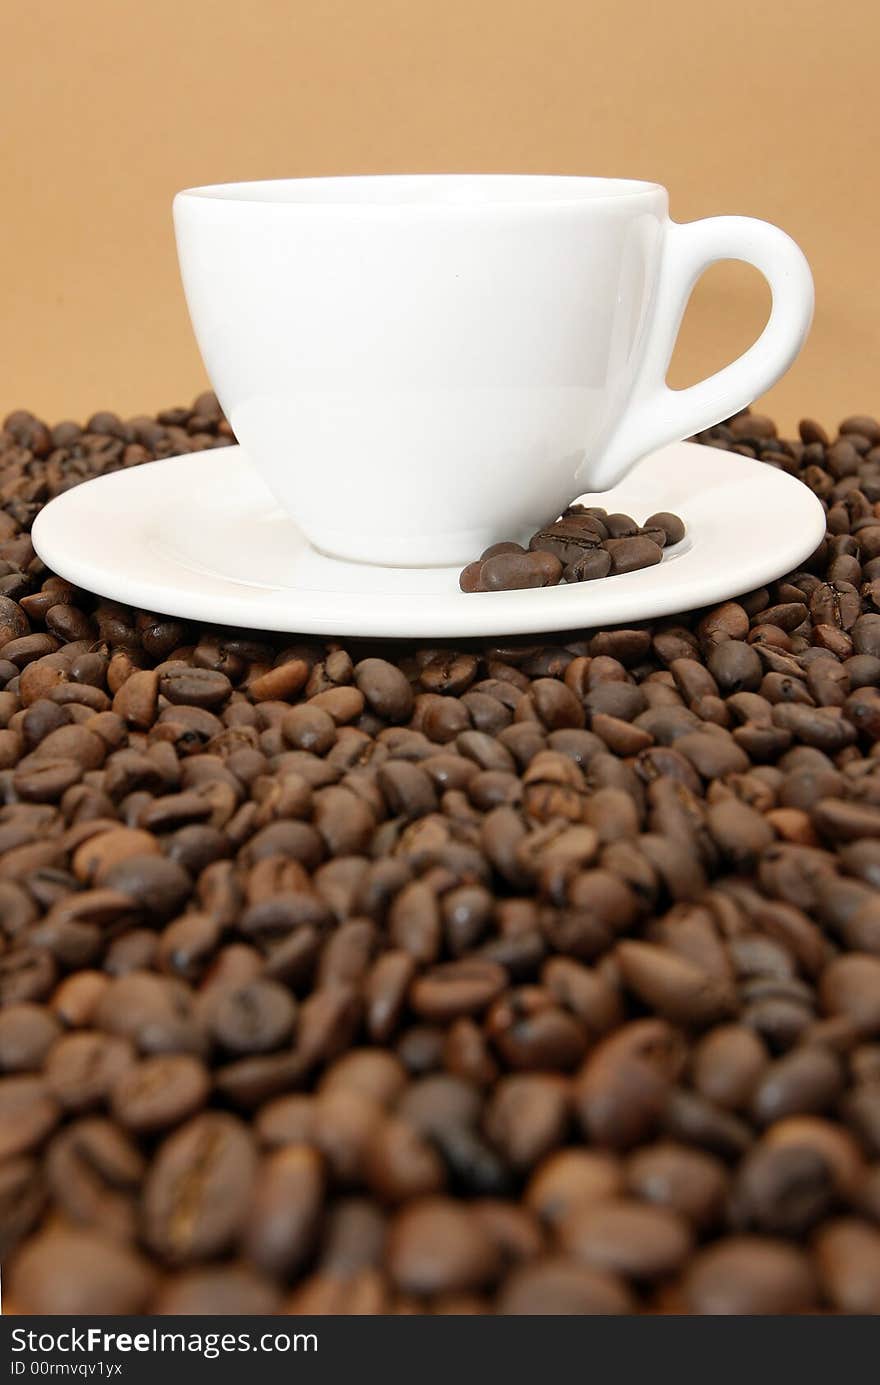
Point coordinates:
[[64, 524]]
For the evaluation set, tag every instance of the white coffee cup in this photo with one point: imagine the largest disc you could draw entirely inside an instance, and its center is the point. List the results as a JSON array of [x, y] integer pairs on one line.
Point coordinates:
[[422, 365]]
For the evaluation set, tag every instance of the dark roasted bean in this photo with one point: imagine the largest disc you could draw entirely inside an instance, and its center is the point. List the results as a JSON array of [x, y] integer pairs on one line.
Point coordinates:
[[82, 1069], [558, 1285], [569, 1178], [623, 1088], [638, 1240], [385, 688], [219, 1291], [81, 1272], [284, 1218], [750, 1275], [848, 1255], [159, 1092], [515, 571], [457, 988], [94, 1173], [27, 1032], [630, 554], [28, 1112], [196, 1197], [527, 1117], [781, 1191], [687, 1181], [435, 1246]]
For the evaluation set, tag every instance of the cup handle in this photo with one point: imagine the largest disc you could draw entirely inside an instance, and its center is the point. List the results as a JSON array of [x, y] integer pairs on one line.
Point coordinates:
[[656, 414]]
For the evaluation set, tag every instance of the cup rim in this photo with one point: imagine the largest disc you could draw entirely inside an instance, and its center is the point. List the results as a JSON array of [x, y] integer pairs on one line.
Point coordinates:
[[420, 193]]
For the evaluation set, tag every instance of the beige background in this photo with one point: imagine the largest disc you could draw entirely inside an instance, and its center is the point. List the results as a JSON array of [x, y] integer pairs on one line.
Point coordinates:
[[108, 106]]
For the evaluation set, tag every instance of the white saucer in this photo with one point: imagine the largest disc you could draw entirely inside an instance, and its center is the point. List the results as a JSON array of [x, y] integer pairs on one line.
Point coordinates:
[[200, 536]]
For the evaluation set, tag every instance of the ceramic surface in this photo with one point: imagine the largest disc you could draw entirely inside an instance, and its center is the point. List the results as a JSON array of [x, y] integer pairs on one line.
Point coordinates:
[[421, 365]]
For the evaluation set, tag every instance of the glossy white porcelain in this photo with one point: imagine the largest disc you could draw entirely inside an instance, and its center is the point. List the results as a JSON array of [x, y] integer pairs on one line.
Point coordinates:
[[421, 365], [226, 552]]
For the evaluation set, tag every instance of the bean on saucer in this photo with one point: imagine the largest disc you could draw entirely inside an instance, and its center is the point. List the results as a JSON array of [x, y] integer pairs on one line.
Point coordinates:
[[584, 545]]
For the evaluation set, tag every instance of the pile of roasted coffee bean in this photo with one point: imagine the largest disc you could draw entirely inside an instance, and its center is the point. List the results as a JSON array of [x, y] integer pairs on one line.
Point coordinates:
[[541, 977], [586, 543]]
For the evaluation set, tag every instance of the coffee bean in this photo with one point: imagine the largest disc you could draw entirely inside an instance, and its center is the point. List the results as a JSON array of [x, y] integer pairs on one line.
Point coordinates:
[[28, 1113], [687, 1181], [531, 1032], [504, 547], [676, 988], [156, 885], [672, 526], [23, 1196], [782, 1191], [386, 987], [328, 1020], [217, 1291], [630, 554], [354, 1237], [82, 1069], [836, 604], [593, 564], [735, 666], [693, 1120], [280, 683], [345, 1122], [75, 1000], [80, 1272], [363, 1293], [861, 1110], [254, 1018], [284, 1217], [372, 1071], [527, 1117], [515, 571], [196, 1196], [470, 578], [569, 540], [750, 1275], [159, 1092], [850, 986], [622, 1090], [620, 526], [407, 788], [810, 432], [848, 1255], [833, 1142], [557, 1285], [457, 988], [386, 689], [154, 1013], [94, 1173], [436, 1247], [728, 1064], [450, 672], [806, 1081], [569, 1178], [46, 781], [400, 1163], [101, 851], [27, 1032], [138, 698], [712, 756], [843, 821], [195, 687], [637, 1240]]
